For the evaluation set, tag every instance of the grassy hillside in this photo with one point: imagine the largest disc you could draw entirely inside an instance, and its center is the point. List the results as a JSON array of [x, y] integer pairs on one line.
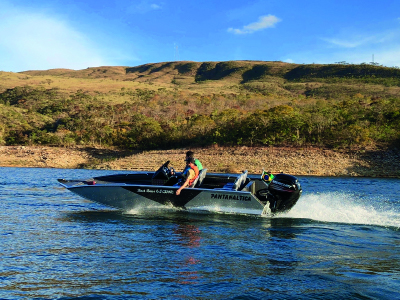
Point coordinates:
[[176, 104]]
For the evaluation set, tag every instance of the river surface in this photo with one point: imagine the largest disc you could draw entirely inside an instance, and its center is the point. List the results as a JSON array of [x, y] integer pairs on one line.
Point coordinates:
[[340, 241]]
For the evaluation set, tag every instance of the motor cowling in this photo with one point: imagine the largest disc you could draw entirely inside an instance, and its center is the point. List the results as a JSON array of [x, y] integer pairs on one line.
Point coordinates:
[[284, 191]]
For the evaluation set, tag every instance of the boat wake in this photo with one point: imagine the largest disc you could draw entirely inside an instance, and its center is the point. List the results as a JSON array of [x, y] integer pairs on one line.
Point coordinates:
[[335, 207], [345, 208], [202, 209], [146, 209]]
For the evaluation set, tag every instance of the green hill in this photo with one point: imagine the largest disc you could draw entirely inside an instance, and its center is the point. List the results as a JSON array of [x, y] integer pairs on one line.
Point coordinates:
[[176, 104]]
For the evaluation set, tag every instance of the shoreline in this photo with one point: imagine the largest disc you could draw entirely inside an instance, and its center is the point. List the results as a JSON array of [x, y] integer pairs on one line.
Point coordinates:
[[301, 161]]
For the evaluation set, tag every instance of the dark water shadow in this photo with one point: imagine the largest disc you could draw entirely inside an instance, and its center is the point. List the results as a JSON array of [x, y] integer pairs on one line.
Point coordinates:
[[181, 217]]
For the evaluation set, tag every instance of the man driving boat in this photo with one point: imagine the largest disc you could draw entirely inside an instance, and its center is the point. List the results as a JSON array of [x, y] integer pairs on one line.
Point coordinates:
[[190, 154], [192, 172]]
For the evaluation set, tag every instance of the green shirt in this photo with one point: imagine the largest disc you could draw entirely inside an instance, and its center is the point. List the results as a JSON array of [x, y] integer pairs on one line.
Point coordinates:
[[198, 164]]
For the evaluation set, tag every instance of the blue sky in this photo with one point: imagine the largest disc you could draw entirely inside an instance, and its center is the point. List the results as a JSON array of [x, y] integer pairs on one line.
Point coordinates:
[[76, 34]]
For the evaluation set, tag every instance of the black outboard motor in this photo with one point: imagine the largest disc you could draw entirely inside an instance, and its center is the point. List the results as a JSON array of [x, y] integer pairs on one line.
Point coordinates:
[[283, 192]]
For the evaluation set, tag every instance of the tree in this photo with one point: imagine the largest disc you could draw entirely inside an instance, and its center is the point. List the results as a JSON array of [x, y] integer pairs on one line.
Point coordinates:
[[145, 133]]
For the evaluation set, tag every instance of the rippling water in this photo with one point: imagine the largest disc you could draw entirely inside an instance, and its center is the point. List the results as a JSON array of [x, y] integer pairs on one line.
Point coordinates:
[[341, 241]]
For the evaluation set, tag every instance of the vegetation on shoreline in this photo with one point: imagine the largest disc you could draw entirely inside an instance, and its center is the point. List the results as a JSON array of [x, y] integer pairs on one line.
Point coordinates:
[[180, 104]]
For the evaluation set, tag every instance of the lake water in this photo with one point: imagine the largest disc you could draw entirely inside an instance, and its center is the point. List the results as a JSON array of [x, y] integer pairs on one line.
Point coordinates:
[[340, 241]]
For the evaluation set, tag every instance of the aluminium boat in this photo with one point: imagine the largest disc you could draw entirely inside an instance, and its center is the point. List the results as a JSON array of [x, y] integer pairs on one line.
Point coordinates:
[[243, 193]]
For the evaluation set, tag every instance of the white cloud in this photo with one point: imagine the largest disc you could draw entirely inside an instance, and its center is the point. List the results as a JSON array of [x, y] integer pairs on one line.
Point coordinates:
[[356, 40], [262, 23], [36, 41], [144, 6], [348, 43], [155, 6], [359, 47]]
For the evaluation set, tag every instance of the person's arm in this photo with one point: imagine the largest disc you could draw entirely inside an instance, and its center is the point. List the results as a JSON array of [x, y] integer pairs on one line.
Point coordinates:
[[183, 186]]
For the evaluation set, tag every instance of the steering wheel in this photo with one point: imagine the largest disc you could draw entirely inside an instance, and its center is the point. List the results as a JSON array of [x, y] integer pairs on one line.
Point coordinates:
[[163, 170]]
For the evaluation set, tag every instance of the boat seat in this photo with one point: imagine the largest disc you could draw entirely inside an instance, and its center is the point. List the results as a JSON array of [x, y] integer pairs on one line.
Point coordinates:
[[250, 187], [199, 180], [240, 181], [238, 184]]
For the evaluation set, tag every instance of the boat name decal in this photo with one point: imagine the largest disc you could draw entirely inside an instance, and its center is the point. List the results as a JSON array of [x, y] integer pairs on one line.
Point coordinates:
[[230, 197], [157, 191]]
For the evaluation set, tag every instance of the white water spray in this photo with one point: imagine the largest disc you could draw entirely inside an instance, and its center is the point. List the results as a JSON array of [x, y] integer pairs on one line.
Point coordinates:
[[345, 208], [156, 208], [336, 207]]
